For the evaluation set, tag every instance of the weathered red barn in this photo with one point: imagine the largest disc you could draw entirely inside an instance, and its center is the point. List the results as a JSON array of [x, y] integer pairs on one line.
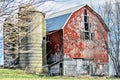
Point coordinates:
[[76, 42]]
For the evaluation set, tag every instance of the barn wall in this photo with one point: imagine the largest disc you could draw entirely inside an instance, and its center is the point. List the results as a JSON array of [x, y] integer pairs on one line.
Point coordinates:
[[77, 67], [75, 47], [54, 46]]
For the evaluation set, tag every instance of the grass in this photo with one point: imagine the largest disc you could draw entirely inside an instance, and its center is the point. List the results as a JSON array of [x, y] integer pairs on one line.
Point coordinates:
[[10, 74]]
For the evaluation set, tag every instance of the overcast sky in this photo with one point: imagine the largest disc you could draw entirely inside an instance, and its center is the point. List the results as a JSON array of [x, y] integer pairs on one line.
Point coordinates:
[[58, 5]]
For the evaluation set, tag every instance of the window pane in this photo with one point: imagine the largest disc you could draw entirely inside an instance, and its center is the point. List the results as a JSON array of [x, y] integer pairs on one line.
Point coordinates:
[[87, 37], [48, 38], [85, 19], [85, 12], [86, 27]]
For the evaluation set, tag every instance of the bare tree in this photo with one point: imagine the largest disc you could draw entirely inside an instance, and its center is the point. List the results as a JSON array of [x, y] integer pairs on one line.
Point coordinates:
[[9, 18], [110, 12]]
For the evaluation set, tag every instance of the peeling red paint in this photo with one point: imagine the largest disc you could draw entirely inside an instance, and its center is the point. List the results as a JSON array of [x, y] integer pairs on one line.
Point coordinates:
[[74, 47], [70, 39]]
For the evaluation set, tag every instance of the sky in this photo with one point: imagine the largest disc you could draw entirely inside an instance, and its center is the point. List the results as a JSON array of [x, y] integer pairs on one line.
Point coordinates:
[[52, 6]]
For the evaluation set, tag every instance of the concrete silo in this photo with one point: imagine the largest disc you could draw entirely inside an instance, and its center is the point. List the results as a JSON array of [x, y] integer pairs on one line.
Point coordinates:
[[32, 30]]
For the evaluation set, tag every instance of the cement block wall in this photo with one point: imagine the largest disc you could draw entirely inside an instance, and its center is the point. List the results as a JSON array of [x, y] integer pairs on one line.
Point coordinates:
[[73, 67], [78, 67]]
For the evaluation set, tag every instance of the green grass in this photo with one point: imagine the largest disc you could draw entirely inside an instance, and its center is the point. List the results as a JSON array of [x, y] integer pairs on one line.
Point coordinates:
[[10, 74]]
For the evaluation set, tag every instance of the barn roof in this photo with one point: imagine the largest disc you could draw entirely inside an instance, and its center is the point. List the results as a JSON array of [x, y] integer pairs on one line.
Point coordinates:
[[57, 20], [56, 23]]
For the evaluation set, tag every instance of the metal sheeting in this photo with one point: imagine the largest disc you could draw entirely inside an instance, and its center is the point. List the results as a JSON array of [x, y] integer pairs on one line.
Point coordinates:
[[56, 23]]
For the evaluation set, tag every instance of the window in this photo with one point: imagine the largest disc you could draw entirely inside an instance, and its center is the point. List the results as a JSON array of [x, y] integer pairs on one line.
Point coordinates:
[[85, 12], [86, 18], [48, 38], [86, 27], [86, 34]]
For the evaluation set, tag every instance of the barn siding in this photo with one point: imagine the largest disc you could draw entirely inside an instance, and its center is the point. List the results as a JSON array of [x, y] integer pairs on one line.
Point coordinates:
[[80, 56], [75, 47], [55, 45]]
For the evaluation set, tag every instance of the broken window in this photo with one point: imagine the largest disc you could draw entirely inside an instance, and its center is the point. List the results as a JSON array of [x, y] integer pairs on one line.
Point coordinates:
[[86, 34], [86, 17], [85, 12], [86, 27], [86, 20]]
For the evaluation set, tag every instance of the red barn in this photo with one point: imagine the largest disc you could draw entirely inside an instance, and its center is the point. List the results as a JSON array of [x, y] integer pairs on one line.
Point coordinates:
[[76, 42]]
